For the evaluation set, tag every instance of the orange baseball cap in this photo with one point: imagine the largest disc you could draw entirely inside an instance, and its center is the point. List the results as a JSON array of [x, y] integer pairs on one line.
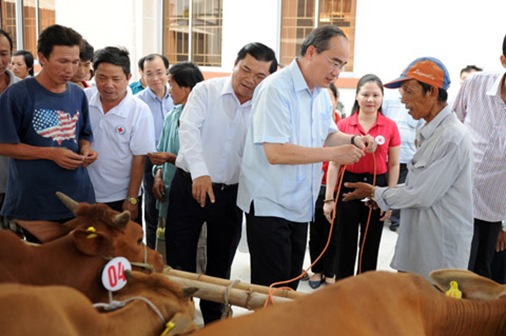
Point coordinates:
[[427, 70]]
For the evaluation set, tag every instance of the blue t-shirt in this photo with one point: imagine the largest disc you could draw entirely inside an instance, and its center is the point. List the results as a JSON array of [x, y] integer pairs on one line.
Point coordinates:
[[36, 116]]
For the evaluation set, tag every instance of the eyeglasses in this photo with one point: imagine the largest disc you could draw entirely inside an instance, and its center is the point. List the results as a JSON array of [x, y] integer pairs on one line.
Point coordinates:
[[158, 74], [333, 64]]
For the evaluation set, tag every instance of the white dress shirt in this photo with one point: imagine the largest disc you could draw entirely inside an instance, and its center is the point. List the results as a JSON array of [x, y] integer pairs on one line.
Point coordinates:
[[212, 131]]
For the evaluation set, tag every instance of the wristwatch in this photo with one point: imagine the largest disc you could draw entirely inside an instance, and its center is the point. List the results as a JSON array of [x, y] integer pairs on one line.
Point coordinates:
[[132, 200]]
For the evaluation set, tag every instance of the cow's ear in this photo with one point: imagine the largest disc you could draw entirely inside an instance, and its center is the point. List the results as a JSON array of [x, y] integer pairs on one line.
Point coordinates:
[[45, 231], [472, 285], [92, 243]]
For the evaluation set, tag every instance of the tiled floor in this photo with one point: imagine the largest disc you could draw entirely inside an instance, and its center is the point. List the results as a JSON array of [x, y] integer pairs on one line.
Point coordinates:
[[240, 267], [241, 271]]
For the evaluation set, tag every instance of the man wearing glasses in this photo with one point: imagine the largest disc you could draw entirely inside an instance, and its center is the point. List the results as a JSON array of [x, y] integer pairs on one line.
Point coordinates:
[[156, 96], [281, 168]]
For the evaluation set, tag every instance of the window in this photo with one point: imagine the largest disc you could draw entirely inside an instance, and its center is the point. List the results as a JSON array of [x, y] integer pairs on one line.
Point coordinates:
[[36, 16], [203, 45], [8, 9], [298, 19], [30, 26]]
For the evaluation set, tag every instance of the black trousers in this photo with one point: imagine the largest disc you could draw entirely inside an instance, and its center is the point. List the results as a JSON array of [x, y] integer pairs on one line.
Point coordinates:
[[319, 231], [277, 248], [150, 211], [185, 218], [350, 217], [118, 206], [498, 267], [483, 246]]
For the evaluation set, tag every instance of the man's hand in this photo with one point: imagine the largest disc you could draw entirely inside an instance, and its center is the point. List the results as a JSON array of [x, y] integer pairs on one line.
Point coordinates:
[[202, 186], [347, 154], [366, 142], [362, 190], [384, 215], [89, 156], [159, 158], [159, 186], [66, 158], [501, 242], [132, 208]]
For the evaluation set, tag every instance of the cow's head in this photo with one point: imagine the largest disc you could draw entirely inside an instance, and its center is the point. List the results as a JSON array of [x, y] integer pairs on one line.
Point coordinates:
[[101, 231], [173, 300]]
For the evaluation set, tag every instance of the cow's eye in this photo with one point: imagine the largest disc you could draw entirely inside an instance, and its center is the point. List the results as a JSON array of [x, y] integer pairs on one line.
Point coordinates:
[[139, 241]]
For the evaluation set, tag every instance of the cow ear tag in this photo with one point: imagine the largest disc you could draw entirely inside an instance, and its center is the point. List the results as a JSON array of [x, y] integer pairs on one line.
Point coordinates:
[[113, 274], [169, 326], [92, 231], [454, 290]]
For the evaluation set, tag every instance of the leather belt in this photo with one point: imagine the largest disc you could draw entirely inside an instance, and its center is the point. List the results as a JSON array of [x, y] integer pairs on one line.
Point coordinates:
[[220, 186]]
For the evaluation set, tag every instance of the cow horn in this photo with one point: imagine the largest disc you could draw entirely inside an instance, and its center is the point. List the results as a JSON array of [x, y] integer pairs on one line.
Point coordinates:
[[69, 202], [122, 219], [189, 291]]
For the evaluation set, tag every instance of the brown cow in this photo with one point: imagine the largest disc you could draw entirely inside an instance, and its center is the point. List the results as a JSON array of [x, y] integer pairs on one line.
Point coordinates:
[[376, 303], [58, 310], [75, 259]]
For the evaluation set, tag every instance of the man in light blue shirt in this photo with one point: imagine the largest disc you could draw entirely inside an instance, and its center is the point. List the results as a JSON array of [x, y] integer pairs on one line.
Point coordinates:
[[157, 97], [281, 168]]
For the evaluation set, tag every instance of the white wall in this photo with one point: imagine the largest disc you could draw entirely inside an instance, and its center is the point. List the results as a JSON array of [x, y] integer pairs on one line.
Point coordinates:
[[392, 33], [127, 23], [248, 21], [389, 35]]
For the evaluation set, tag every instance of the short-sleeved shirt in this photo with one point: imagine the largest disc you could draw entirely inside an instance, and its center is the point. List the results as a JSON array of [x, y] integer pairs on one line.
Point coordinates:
[[35, 116], [480, 106], [394, 109], [158, 107], [284, 111], [4, 161], [124, 131], [385, 133]]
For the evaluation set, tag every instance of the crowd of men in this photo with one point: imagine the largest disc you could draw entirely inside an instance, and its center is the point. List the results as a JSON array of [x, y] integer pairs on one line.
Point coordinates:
[[251, 143]]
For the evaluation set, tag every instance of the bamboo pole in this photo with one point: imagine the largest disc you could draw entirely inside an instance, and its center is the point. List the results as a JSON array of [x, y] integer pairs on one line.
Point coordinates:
[[238, 297], [224, 282]]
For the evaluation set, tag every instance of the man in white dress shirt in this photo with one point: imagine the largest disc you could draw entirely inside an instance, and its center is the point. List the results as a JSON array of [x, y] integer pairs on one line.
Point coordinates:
[[212, 132]]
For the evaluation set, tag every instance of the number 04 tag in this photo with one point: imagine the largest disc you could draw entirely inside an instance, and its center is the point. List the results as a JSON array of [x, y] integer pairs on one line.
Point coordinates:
[[113, 275]]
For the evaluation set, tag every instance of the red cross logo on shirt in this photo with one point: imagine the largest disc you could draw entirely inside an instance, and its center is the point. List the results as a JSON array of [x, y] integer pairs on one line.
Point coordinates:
[[120, 129]]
